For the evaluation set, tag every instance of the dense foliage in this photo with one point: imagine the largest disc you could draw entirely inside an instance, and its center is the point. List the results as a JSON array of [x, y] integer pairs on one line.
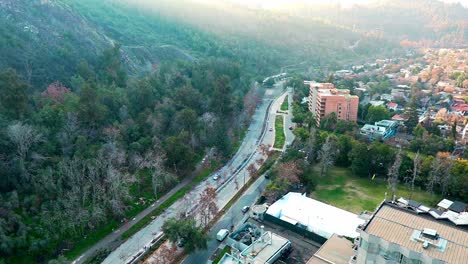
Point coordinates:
[[75, 158]]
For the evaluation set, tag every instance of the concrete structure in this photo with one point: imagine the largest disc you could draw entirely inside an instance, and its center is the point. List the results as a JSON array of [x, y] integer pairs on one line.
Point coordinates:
[[377, 103], [408, 232], [381, 130], [258, 211], [265, 250], [314, 216], [337, 250], [325, 99]]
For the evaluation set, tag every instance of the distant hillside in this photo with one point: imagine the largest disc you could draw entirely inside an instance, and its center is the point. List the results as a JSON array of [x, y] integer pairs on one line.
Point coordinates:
[[424, 22], [302, 38], [45, 39]]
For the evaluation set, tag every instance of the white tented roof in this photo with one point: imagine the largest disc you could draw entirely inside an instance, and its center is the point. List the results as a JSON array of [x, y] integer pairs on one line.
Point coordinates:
[[320, 218], [445, 203]]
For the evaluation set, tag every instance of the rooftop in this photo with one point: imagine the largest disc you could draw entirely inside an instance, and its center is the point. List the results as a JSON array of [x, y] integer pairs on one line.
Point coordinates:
[[315, 216], [406, 228], [336, 250], [262, 250]]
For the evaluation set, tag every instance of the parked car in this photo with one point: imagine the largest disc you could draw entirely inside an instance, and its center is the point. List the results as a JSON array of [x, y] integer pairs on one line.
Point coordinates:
[[245, 209], [222, 234], [216, 177]]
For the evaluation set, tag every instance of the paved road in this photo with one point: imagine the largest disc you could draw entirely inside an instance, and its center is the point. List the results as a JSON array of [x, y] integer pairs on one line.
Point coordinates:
[[113, 239], [288, 120], [234, 215], [233, 176]]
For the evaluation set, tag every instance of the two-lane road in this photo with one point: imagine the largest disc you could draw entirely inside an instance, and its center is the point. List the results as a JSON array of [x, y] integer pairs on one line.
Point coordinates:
[[236, 176], [234, 214]]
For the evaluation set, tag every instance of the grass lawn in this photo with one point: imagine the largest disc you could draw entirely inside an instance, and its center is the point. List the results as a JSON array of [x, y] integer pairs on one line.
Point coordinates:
[[285, 105], [220, 254], [279, 132], [340, 188]]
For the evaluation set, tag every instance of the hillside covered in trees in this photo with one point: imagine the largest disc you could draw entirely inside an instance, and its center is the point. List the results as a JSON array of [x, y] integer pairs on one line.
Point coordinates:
[[105, 104], [428, 23]]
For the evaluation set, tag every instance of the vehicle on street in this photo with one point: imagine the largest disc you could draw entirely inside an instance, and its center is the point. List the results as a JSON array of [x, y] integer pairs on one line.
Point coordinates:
[[222, 234], [245, 209], [271, 129], [216, 177], [290, 128]]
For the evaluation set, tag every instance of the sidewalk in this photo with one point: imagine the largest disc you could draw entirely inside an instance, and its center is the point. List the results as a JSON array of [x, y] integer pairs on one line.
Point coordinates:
[[113, 239]]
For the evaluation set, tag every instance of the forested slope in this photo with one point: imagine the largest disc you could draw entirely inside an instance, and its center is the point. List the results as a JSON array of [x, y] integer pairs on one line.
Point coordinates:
[[103, 104]]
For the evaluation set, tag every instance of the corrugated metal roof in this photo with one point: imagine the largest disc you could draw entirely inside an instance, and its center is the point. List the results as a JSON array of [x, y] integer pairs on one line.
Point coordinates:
[[445, 203], [397, 226]]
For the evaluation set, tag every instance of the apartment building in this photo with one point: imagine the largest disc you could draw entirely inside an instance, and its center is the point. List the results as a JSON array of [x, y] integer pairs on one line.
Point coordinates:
[[325, 99], [408, 232]]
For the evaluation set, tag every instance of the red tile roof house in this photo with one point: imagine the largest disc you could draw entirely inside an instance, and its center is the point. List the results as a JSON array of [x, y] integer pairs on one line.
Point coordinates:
[[400, 119], [460, 108], [392, 106]]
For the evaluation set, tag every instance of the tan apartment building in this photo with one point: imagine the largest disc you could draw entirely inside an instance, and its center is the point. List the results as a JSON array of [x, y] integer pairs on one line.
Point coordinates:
[[325, 99], [413, 234]]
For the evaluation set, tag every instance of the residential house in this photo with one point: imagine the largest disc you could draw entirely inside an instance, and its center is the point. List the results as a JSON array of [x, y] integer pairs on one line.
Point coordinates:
[[392, 106]]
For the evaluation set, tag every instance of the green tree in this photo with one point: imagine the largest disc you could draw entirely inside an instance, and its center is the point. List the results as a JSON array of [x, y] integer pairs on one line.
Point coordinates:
[[14, 96], [110, 67], [359, 156], [345, 145], [270, 82], [419, 131], [179, 155], [90, 111], [377, 113], [329, 122], [413, 118], [330, 78], [186, 230], [301, 133]]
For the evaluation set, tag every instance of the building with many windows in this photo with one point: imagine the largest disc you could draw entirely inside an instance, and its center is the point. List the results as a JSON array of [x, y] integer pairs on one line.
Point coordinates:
[[325, 99]]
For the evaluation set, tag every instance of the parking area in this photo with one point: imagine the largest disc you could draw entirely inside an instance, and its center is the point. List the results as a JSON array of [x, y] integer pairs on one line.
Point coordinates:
[[303, 247]]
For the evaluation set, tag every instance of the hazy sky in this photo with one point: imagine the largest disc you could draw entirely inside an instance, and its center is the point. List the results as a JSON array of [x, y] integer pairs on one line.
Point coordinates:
[[275, 3]]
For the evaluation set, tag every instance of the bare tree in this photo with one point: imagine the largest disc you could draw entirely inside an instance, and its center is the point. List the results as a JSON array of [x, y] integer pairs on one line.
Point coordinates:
[[23, 136], [416, 171], [289, 172], [434, 175], [207, 206], [252, 170], [446, 176], [393, 173], [265, 149], [69, 133], [164, 254], [327, 155], [440, 173], [310, 144]]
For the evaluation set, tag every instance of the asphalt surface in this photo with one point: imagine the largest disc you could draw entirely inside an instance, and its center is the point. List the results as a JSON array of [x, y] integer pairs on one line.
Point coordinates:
[[232, 176], [234, 215]]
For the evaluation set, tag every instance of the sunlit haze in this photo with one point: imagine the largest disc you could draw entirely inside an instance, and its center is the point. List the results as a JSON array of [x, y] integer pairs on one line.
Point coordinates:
[[345, 3]]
